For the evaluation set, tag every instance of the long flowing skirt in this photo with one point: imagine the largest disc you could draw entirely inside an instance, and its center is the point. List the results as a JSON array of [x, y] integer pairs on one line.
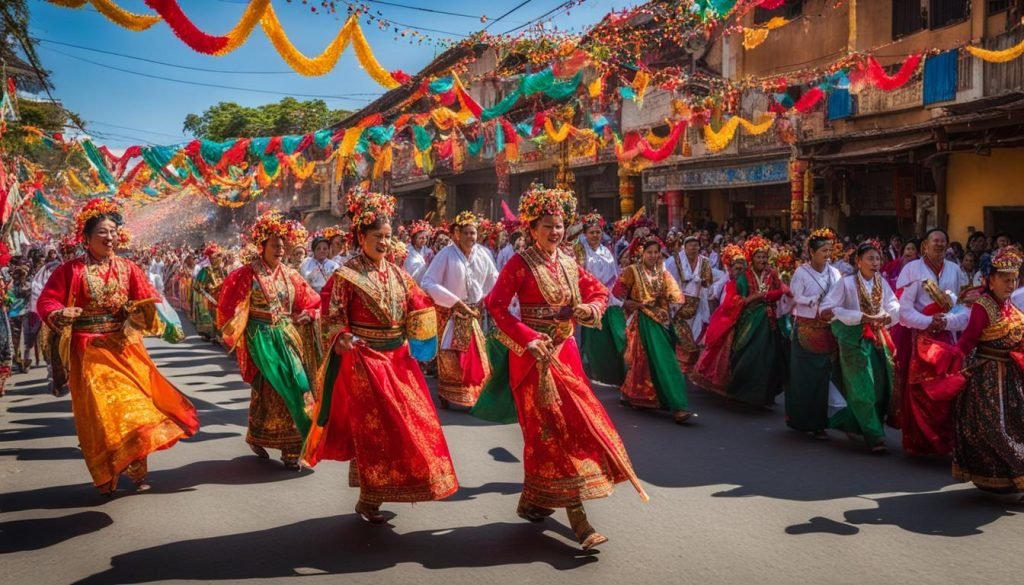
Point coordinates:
[[989, 414], [927, 419], [867, 384], [124, 408], [204, 315], [654, 379], [462, 369], [496, 403], [376, 411], [604, 348], [757, 367], [812, 367], [572, 451], [279, 411]]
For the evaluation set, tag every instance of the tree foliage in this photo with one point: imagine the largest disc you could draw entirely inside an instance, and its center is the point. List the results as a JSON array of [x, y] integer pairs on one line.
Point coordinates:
[[227, 120]]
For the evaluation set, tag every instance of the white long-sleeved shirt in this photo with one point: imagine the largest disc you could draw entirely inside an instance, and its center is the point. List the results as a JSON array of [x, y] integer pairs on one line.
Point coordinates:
[[452, 277], [601, 263], [689, 281], [810, 288], [416, 263], [915, 298], [505, 255], [845, 302], [316, 272]]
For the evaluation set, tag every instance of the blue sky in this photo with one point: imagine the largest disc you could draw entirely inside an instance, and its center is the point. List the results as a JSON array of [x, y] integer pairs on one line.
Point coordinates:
[[122, 109]]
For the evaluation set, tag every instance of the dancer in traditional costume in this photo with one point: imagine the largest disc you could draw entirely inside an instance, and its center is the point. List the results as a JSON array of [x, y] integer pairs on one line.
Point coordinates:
[[261, 309], [748, 361], [813, 352], [602, 348], [572, 452], [419, 252], [206, 287], [928, 307], [376, 409], [458, 279], [989, 410], [695, 277], [102, 305], [654, 379], [864, 307]]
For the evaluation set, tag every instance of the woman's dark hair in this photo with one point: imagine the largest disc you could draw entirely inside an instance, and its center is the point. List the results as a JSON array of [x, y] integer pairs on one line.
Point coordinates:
[[971, 254], [319, 240], [865, 248], [972, 237], [816, 243], [929, 233], [515, 237], [917, 245], [377, 224], [92, 222]]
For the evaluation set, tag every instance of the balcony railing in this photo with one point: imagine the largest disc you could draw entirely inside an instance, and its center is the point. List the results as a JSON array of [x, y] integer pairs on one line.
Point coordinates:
[[872, 100], [1004, 77]]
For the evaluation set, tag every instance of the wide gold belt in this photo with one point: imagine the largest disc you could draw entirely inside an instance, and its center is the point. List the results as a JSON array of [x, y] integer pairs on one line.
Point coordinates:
[[98, 324], [993, 354], [539, 312], [377, 332]]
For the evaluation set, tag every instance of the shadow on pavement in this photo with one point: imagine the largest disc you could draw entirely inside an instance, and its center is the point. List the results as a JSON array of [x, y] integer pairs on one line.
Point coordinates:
[[24, 535], [46, 454], [326, 546]]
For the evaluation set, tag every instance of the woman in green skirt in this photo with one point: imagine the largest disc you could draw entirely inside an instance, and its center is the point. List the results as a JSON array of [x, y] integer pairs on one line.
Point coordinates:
[[602, 348], [864, 307]]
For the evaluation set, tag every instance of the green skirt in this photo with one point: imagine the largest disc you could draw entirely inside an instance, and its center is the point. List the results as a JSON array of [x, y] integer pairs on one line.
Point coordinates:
[[867, 384], [604, 348], [807, 393], [659, 343], [496, 403], [759, 366], [280, 365]]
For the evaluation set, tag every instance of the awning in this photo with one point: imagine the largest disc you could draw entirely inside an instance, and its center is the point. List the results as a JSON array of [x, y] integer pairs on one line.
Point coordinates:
[[413, 186], [883, 149]]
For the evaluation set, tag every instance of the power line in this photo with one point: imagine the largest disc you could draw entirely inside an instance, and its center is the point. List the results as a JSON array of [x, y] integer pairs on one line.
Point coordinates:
[[421, 9], [529, 23], [83, 48], [202, 84], [178, 136], [500, 18]]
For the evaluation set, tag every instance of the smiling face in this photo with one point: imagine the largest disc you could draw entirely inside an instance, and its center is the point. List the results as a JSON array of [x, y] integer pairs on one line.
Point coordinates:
[[322, 249], [593, 235], [466, 237], [691, 248], [760, 261], [910, 251], [273, 251], [548, 231], [935, 246], [652, 255], [376, 242], [101, 240]]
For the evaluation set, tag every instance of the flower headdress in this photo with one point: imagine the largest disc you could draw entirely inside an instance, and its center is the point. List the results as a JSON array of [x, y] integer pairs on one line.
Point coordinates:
[[1008, 259], [366, 208], [823, 233], [95, 208], [465, 218], [756, 244], [731, 253], [783, 261], [420, 226], [211, 250], [593, 219], [68, 246], [272, 224], [874, 244], [397, 252], [540, 201], [639, 244], [329, 233]]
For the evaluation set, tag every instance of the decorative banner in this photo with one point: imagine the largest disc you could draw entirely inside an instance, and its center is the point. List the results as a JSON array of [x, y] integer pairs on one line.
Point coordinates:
[[257, 11], [876, 74], [997, 56], [717, 141]]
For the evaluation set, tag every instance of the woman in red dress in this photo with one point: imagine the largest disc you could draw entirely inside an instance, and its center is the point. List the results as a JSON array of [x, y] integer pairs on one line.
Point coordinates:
[[100, 306], [375, 409], [573, 452]]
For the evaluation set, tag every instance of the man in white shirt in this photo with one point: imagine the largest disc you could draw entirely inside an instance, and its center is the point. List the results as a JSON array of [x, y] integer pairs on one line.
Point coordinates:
[[696, 279], [318, 268], [928, 307], [419, 251], [458, 279]]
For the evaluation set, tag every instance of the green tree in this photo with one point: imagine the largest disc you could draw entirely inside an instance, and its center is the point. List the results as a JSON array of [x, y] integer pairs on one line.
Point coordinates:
[[227, 120]]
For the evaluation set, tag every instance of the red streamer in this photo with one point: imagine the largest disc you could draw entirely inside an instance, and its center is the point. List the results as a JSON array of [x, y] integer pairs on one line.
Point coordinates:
[[879, 78], [771, 4], [635, 146], [185, 30], [809, 100]]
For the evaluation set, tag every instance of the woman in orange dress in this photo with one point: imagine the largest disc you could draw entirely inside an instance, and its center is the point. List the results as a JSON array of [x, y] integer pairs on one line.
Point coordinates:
[[375, 409], [573, 452], [102, 305], [262, 309]]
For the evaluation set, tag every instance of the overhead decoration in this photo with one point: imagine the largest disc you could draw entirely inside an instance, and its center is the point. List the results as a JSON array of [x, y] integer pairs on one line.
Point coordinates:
[[257, 11], [877, 76], [753, 37], [996, 56], [717, 141]]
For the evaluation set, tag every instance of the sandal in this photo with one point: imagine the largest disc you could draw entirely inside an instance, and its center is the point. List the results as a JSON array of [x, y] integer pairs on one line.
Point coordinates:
[[681, 416], [259, 451], [532, 513], [879, 449], [370, 513]]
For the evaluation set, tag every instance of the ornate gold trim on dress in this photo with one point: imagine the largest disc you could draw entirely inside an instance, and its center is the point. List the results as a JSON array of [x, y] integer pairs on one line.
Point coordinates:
[[421, 324], [508, 342], [377, 333], [556, 275], [999, 325]]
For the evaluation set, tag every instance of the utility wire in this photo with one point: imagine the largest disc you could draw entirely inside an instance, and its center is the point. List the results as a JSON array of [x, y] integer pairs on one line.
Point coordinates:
[[540, 18], [420, 8], [500, 18]]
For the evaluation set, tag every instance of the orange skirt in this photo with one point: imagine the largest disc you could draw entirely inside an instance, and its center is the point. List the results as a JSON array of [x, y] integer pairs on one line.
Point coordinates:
[[124, 408]]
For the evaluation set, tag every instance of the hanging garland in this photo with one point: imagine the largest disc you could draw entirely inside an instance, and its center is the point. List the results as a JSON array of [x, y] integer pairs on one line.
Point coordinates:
[[877, 76], [257, 11], [1001, 56], [718, 141]]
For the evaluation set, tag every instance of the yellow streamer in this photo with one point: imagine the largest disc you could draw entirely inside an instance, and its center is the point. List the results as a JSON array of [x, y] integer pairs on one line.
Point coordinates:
[[594, 88], [367, 60], [250, 18], [114, 13], [717, 141], [559, 135], [640, 82], [997, 56], [304, 65], [753, 37]]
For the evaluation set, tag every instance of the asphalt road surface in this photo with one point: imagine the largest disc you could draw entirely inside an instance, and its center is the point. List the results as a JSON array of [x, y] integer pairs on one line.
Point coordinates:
[[735, 498]]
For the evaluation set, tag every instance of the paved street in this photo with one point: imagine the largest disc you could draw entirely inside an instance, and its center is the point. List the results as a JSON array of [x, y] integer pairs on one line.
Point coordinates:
[[736, 498]]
